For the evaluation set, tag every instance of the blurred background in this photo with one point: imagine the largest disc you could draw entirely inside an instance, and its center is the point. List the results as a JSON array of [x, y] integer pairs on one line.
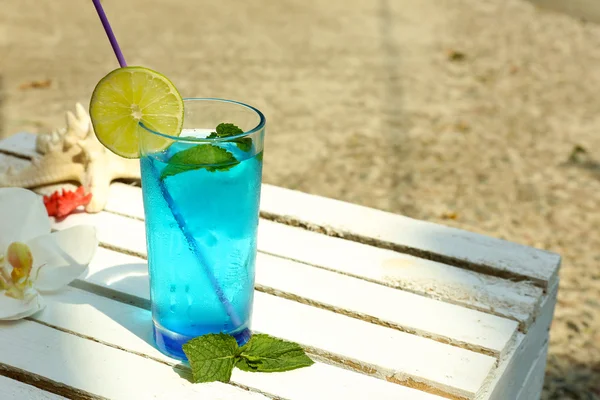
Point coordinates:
[[479, 114]]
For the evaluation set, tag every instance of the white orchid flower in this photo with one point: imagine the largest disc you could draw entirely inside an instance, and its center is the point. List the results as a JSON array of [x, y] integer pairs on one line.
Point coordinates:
[[32, 259]]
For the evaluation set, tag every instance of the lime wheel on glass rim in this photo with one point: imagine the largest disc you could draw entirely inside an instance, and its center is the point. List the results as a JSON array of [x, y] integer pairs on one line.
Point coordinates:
[[130, 95]]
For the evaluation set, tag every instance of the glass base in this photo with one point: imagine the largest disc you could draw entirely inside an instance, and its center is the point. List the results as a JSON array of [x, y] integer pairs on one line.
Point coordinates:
[[170, 343]]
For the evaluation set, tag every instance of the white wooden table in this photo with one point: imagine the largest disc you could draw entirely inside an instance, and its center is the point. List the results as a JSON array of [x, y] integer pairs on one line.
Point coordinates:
[[389, 307]]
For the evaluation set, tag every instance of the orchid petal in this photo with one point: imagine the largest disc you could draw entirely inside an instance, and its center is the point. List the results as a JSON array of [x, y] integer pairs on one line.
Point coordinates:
[[23, 216], [62, 256], [11, 308]]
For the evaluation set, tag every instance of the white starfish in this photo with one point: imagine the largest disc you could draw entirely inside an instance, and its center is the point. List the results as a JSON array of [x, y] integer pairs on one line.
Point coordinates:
[[74, 154]]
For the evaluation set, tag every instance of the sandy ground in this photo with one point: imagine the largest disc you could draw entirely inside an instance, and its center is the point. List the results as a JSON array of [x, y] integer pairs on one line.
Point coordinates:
[[481, 114]]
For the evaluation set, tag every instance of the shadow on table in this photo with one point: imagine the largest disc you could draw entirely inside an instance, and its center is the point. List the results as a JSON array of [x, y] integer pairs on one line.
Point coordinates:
[[129, 284], [126, 283]]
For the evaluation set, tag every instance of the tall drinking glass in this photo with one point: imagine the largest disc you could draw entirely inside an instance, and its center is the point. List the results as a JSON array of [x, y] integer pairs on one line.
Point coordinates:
[[201, 203]]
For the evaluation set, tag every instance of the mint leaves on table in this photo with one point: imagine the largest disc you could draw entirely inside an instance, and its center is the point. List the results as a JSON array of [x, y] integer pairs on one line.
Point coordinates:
[[203, 155], [264, 353], [212, 357]]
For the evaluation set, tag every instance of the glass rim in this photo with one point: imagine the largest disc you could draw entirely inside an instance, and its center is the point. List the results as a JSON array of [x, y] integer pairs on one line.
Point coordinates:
[[261, 123]]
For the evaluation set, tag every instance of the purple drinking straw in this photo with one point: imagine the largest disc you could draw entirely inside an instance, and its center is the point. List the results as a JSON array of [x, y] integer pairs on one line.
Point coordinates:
[[109, 33], [245, 334]]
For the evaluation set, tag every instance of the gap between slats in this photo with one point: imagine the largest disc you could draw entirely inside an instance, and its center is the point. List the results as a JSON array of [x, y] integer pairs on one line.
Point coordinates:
[[46, 384], [11, 389]]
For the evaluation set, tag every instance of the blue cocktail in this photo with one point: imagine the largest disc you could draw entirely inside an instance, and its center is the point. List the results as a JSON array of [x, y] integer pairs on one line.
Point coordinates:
[[201, 202]]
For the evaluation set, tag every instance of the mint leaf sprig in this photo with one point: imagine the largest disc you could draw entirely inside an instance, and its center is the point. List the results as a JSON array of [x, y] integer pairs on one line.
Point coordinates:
[[214, 159], [212, 357], [225, 130], [203, 155]]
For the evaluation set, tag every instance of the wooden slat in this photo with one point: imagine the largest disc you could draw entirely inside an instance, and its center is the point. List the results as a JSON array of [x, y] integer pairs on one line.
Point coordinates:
[[387, 353], [481, 253], [515, 300], [90, 366], [129, 328], [11, 389]]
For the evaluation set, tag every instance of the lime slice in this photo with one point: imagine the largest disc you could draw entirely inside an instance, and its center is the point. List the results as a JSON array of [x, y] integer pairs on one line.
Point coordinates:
[[127, 96]]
